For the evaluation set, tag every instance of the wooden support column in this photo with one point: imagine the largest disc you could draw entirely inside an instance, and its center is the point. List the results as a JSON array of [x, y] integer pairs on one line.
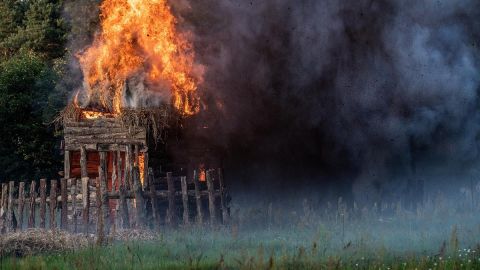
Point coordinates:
[[64, 213], [43, 202], [145, 170], [223, 202], [83, 162], [73, 194], [66, 165], [102, 175], [114, 171], [139, 200], [85, 204], [211, 197], [186, 212], [153, 199], [10, 215], [53, 204], [3, 208], [128, 167], [171, 215], [124, 186], [21, 204], [100, 216], [33, 195], [198, 197], [119, 168], [137, 154]]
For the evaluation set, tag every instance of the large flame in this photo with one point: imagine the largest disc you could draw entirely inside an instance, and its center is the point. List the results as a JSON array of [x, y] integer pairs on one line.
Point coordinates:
[[139, 39]]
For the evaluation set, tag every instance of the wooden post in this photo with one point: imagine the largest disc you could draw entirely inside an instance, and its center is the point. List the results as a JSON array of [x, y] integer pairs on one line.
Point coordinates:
[[83, 162], [198, 197], [66, 165], [33, 196], [64, 212], [211, 198], [102, 174], [137, 154], [21, 204], [171, 200], [43, 202], [223, 203], [10, 216], [139, 200], [128, 166], [85, 204], [73, 194], [100, 217], [153, 199], [123, 206], [145, 170], [119, 168], [114, 170], [186, 212], [53, 204]]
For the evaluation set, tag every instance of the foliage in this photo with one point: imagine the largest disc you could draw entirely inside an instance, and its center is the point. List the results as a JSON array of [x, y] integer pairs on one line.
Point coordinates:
[[27, 142]]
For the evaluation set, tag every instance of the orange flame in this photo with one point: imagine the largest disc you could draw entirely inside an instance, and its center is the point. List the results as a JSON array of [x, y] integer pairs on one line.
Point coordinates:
[[139, 39]]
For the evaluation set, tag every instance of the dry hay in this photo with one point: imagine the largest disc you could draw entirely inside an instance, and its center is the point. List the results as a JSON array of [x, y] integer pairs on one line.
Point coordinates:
[[37, 241], [135, 235], [155, 120]]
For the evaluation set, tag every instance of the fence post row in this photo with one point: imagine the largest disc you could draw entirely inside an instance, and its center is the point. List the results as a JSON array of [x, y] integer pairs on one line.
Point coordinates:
[[62, 199]]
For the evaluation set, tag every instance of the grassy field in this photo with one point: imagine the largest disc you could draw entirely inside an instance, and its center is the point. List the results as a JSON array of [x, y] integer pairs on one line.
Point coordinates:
[[443, 237]]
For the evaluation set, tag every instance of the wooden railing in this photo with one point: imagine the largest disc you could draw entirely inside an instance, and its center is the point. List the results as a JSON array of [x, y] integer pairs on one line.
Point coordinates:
[[87, 205]]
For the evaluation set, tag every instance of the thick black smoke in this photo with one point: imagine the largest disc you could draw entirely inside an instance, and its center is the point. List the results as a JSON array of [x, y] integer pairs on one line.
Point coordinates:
[[336, 92]]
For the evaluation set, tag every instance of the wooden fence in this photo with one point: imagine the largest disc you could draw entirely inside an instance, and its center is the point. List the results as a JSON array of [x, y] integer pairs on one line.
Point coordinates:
[[89, 206]]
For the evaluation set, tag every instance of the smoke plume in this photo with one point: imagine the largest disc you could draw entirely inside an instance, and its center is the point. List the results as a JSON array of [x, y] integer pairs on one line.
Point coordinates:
[[338, 93]]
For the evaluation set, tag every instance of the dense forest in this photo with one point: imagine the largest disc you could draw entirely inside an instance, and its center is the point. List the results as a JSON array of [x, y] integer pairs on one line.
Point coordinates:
[[35, 80]]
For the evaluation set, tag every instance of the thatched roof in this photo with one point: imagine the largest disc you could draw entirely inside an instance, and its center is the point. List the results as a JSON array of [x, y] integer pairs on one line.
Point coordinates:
[[154, 120]]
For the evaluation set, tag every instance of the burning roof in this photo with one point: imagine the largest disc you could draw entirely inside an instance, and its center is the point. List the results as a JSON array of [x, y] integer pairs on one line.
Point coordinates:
[[138, 59]]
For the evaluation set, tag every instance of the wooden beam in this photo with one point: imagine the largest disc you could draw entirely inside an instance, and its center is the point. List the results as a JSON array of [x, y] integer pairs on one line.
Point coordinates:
[[211, 198], [43, 202], [33, 195], [100, 216], [10, 215], [85, 204], [102, 174], [73, 195], [153, 200], [66, 164], [223, 202], [21, 204], [198, 197], [171, 216], [139, 200], [83, 162], [53, 204], [186, 212], [64, 212]]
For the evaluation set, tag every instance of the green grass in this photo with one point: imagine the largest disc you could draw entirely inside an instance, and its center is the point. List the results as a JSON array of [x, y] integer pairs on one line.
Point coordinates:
[[262, 249]]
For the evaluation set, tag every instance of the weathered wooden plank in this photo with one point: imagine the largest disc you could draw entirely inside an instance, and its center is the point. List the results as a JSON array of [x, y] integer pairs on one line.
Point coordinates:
[[73, 195], [83, 162], [119, 167], [145, 170], [139, 200], [43, 202], [21, 204], [102, 174], [53, 204], [114, 171], [100, 216], [186, 212], [153, 200], [128, 166], [211, 198], [11, 223], [123, 206], [171, 213], [66, 164], [223, 202], [85, 204], [64, 211], [198, 198], [33, 195]]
